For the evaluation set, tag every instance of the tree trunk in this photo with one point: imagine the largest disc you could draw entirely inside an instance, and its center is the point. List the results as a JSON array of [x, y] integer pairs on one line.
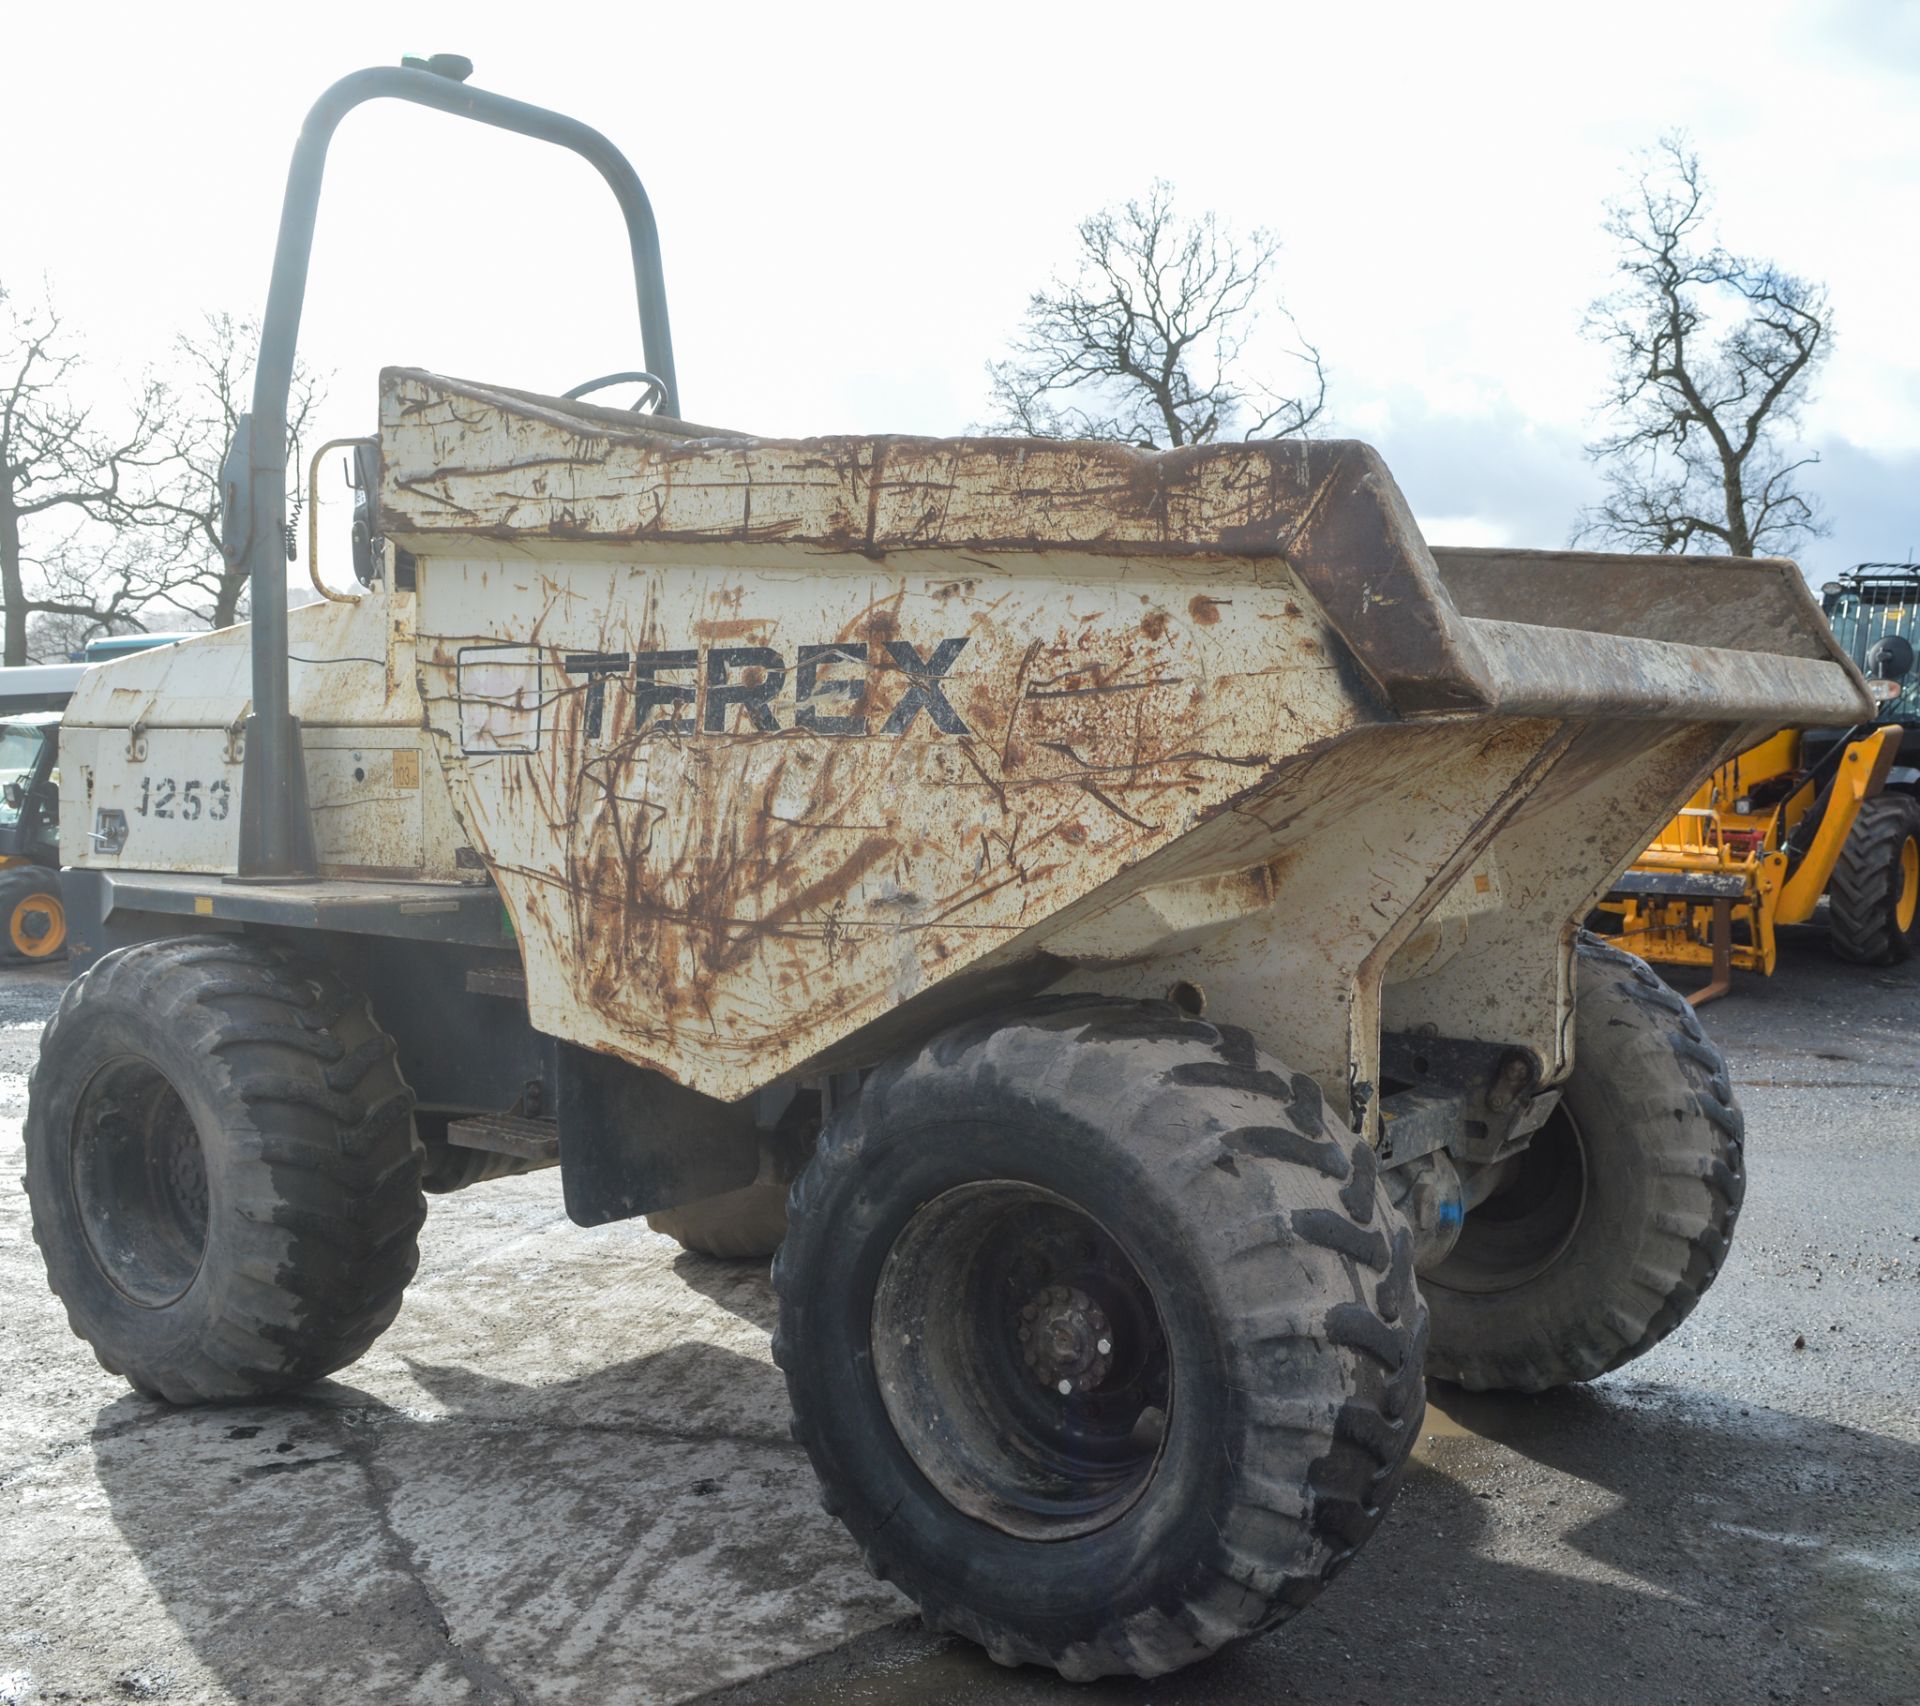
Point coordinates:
[[11, 591], [1739, 540], [226, 604]]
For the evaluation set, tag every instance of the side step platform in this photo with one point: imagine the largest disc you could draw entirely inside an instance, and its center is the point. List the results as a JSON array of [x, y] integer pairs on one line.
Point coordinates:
[[509, 1134]]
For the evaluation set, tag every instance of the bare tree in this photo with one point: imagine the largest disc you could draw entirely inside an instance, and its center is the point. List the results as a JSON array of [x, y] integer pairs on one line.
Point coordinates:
[[99, 581], [213, 386], [60, 471], [1713, 357], [1144, 342]]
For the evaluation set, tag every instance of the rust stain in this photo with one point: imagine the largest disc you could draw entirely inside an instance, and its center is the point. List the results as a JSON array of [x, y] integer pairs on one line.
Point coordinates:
[[723, 892], [814, 897], [730, 627]]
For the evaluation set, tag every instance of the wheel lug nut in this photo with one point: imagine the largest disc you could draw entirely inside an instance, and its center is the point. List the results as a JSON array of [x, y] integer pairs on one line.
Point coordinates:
[[1066, 1388], [1104, 1347], [1025, 1334]]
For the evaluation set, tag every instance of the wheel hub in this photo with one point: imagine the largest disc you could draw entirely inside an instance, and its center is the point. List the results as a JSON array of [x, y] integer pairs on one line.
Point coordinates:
[[1022, 1361], [1066, 1340], [140, 1181], [186, 1168]]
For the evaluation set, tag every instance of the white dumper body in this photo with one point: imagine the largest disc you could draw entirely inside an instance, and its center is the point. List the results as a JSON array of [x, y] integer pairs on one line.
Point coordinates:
[[1106, 922], [762, 742]]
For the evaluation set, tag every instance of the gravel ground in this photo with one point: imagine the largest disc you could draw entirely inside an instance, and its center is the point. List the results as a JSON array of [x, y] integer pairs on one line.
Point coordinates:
[[564, 1475]]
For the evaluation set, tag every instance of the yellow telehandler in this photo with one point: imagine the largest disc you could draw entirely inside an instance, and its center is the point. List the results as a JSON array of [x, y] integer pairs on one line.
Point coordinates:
[[1806, 814]]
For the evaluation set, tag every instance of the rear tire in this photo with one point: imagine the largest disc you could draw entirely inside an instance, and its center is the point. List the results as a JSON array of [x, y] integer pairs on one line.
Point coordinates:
[[1873, 897], [1620, 1212], [222, 1168], [1114, 1194], [742, 1225], [33, 920]]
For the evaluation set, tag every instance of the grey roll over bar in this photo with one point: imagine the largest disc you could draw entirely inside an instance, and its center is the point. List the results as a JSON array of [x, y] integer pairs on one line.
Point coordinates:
[[276, 836]]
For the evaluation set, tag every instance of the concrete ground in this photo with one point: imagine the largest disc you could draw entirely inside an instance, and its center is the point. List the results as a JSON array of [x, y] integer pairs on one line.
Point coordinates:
[[564, 1475]]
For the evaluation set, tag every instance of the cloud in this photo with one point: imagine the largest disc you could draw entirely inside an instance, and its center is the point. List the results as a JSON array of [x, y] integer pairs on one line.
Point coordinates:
[[1492, 477], [1495, 477], [1872, 498]]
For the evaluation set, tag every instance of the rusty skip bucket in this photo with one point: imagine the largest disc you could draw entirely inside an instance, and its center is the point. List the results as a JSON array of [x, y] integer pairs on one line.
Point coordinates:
[[780, 750]]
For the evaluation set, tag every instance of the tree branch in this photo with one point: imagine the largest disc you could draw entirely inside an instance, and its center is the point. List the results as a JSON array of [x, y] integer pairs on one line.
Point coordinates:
[[1143, 342], [1695, 455]]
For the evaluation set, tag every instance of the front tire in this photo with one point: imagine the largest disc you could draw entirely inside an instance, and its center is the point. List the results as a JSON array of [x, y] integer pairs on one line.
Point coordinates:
[[1617, 1217], [1873, 896], [222, 1169], [1103, 1341]]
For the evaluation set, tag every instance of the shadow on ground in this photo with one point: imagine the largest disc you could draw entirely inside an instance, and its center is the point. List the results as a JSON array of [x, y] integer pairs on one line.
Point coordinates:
[[740, 1288], [1716, 1556], [1621, 1543], [498, 1542]]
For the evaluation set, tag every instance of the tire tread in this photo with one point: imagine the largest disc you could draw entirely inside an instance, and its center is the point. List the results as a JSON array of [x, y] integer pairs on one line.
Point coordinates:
[[1864, 888], [323, 1168], [1698, 1169], [1326, 1453]]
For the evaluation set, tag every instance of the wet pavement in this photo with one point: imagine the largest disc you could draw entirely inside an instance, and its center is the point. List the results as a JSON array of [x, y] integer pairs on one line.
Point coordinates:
[[564, 1475]]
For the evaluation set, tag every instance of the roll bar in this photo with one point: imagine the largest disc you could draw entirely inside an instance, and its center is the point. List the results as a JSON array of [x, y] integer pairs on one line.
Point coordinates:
[[276, 834]]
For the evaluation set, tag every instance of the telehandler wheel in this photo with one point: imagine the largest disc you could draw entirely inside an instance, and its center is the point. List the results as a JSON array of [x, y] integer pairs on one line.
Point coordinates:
[[736, 1225], [1873, 896], [1617, 1216], [33, 921], [222, 1168], [1104, 1342]]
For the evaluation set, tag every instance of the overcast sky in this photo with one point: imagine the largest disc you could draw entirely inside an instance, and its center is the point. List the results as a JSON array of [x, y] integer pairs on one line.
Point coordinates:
[[854, 202]]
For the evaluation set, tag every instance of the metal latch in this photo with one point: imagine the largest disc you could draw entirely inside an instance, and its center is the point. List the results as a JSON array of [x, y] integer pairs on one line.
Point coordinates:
[[109, 833]]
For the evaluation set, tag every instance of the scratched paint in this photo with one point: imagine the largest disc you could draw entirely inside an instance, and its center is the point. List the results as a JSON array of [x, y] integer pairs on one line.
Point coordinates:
[[762, 739], [731, 858]]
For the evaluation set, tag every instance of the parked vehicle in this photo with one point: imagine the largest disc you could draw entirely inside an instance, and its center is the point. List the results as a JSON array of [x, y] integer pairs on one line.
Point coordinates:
[[1131, 894], [38, 686], [106, 647], [33, 922], [1805, 815]]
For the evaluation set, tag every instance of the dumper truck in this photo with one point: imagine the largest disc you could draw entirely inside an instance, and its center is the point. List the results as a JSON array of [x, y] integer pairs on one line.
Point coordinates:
[[1129, 895]]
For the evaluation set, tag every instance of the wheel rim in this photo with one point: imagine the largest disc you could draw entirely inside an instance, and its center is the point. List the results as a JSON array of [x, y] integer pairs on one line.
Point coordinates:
[[1526, 1225], [1022, 1360], [140, 1180], [1908, 904], [38, 926]]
